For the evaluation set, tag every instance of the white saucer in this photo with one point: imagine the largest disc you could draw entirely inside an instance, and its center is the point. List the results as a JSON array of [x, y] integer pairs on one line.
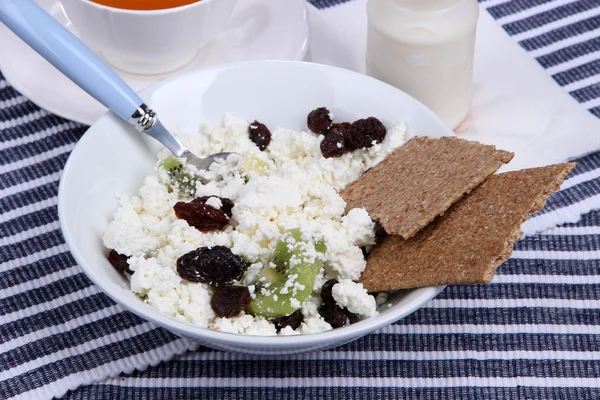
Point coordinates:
[[258, 30]]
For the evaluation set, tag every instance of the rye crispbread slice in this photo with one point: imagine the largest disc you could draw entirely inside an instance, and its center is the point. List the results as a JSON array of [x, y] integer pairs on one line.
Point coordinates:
[[421, 179], [470, 240]]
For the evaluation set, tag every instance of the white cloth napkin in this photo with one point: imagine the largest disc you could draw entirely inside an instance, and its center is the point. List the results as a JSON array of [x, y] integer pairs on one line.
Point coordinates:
[[516, 105]]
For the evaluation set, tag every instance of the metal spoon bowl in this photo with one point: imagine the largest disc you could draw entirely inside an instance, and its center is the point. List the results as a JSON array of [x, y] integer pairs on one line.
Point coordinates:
[[146, 121]]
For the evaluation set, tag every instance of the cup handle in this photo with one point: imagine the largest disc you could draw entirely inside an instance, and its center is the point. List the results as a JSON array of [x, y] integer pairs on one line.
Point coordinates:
[[70, 56]]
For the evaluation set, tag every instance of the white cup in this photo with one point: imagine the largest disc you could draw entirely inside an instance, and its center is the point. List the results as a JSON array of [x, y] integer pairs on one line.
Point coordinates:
[[148, 41]]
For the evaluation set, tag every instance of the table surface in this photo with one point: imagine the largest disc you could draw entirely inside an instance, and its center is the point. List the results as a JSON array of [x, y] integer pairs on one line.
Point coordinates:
[[533, 333]]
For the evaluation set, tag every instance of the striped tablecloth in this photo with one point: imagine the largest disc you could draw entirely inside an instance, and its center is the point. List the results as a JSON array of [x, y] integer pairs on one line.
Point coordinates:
[[534, 333]]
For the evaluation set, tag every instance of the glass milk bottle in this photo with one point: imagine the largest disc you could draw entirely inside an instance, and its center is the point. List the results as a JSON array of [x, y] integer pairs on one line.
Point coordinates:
[[425, 48]]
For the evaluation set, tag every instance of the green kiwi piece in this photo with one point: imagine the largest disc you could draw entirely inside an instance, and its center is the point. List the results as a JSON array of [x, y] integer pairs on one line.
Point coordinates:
[[255, 165], [298, 263], [183, 181]]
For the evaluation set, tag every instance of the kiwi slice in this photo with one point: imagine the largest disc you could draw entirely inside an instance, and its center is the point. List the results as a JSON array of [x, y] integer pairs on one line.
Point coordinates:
[[183, 181], [280, 291], [254, 165]]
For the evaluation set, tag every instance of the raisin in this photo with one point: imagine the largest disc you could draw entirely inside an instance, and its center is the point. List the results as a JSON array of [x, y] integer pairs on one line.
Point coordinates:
[[342, 126], [332, 144], [226, 204], [351, 142], [227, 301], [354, 318], [201, 216], [293, 320], [119, 262], [334, 314], [214, 265], [259, 134], [363, 133], [319, 120], [326, 290]]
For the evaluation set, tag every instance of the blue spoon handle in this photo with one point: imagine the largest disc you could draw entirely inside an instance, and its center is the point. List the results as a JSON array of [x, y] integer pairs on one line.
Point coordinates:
[[70, 56]]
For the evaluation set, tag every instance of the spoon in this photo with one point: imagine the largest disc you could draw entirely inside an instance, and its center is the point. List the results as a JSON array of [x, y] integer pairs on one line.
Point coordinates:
[[74, 59]]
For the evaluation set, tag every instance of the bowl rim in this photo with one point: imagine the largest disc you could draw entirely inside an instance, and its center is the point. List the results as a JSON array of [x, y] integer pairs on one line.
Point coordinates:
[[188, 330]]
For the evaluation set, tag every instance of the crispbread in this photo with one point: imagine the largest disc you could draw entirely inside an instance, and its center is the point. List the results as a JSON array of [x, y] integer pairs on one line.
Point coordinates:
[[470, 240], [421, 179]]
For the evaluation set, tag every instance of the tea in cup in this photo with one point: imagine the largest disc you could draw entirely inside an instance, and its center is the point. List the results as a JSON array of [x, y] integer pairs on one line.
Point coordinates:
[[145, 4]]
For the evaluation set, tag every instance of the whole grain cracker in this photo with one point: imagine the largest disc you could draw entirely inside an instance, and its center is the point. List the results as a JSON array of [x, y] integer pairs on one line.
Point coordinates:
[[471, 240], [421, 179]]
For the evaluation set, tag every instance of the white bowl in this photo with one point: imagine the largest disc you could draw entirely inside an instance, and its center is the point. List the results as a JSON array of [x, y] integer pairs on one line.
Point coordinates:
[[111, 157]]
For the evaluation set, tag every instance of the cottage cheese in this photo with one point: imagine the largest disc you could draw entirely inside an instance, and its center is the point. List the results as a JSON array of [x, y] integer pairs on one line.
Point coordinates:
[[214, 202], [354, 297], [289, 185]]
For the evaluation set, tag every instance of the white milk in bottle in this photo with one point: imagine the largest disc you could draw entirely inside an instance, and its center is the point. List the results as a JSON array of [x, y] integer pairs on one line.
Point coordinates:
[[425, 48]]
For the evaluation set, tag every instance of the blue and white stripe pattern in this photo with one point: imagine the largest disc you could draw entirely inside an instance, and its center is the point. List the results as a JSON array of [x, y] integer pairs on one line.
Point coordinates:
[[52, 318], [563, 36], [534, 333]]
